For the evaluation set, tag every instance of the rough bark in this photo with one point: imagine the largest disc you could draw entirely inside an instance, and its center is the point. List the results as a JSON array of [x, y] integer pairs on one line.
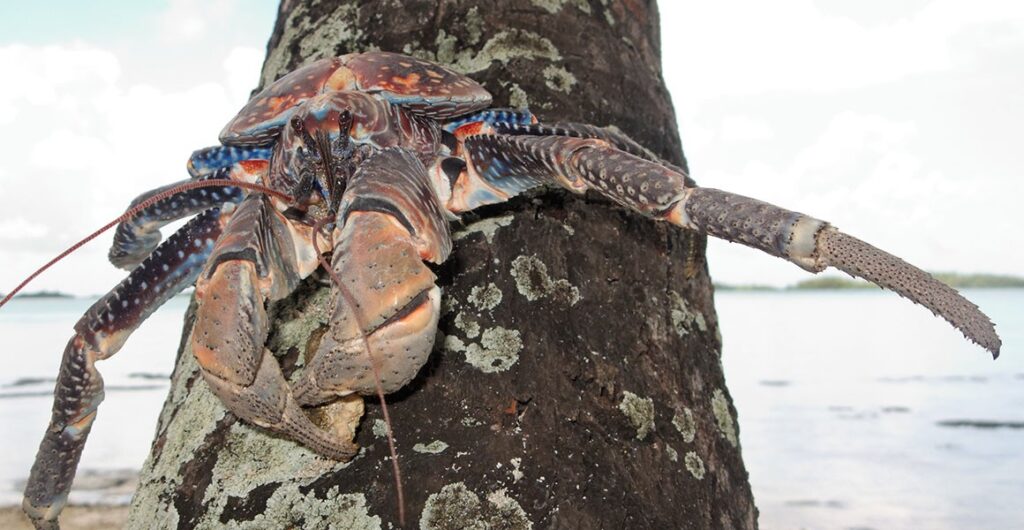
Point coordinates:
[[576, 381]]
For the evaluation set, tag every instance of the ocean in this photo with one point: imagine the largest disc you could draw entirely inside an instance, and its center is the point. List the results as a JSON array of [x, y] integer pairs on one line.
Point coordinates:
[[856, 409]]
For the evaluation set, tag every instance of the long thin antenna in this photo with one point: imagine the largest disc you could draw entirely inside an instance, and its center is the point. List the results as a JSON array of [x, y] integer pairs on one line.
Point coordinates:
[[395, 468], [132, 212]]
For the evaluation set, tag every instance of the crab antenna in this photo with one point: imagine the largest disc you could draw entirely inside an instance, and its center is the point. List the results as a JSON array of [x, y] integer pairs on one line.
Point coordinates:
[[395, 468], [132, 212]]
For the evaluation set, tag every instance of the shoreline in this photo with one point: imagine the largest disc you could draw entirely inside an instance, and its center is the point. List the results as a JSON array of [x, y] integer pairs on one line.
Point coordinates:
[[99, 517]]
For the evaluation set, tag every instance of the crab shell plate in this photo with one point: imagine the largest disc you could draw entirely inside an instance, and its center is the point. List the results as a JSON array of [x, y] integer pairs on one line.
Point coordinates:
[[422, 87]]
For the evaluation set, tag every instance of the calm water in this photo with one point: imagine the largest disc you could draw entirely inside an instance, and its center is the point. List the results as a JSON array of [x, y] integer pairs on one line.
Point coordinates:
[[840, 395]]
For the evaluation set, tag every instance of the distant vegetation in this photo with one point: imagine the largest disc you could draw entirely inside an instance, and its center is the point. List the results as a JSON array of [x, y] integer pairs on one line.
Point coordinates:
[[959, 281], [979, 280], [43, 294]]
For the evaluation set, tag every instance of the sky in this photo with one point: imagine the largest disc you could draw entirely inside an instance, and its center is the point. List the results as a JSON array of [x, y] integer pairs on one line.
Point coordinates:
[[897, 121]]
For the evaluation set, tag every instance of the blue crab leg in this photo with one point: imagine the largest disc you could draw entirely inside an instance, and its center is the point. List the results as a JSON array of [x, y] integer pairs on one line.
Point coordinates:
[[494, 117], [135, 238], [504, 165], [260, 257], [390, 222], [98, 335], [209, 159]]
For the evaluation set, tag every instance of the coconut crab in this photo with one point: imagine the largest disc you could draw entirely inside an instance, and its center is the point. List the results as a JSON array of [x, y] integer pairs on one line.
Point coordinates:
[[369, 156]]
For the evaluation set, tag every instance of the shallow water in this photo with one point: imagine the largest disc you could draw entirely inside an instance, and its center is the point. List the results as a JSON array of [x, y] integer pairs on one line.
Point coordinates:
[[840, 394], [137, 379]]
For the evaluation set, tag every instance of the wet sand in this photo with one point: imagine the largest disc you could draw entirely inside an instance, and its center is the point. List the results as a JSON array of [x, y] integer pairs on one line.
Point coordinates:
[[73, 518]]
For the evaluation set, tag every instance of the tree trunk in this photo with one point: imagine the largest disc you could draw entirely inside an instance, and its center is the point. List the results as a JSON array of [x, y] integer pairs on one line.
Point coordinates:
[[576, 381]]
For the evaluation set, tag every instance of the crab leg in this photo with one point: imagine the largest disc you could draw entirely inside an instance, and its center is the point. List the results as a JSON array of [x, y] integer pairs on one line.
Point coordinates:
[[209, 159], [98, 335], [136, 238], [503, 165], [391, 221], [258, 259]]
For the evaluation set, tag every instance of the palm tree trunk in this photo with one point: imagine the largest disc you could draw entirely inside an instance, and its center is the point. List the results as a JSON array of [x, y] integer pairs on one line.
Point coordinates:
[[576, 381]]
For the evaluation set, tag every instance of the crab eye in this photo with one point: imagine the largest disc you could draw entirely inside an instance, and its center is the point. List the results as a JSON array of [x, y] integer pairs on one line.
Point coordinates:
[[449, 140], [452, 168]]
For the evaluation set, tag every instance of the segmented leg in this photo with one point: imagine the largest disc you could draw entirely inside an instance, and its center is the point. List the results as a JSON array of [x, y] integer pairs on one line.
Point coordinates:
[[493, 117], [580, 130], [98, 335], [255, 261], [209, 159], [136, 238], [503, 165], [390, 221]]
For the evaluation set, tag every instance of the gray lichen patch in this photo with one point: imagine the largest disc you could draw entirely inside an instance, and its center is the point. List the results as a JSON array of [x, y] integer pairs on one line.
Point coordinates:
[[380, 428], [316, 39], [694, 464], [508, 513], [250, 458], [474, 24], [498, 350], [457, 507], [487, 227], [195, 416], [432, 448], [683, 318], [507, 45], [558, 78], [673, 455], [517, 472], [517, 97], [288, 507], [449, 304], [331, 33], [533, 282], [453, 344], [294, 331], [723, 417], [485, 298], [685, 424], [502, 47], [640, 413], [554, 6], [467, 325]]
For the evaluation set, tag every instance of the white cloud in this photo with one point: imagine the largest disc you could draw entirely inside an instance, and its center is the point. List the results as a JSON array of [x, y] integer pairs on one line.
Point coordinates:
[[64, 149], [890, 120], [242, 66], [190, 20], [51, 75], [92, 142], [749, 47], [742, 128], [20, 228]]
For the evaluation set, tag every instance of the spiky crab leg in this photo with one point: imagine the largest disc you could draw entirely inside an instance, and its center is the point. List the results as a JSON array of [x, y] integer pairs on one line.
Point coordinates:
[[209, 159], [502, 165], [98, 335], [136, 237]]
